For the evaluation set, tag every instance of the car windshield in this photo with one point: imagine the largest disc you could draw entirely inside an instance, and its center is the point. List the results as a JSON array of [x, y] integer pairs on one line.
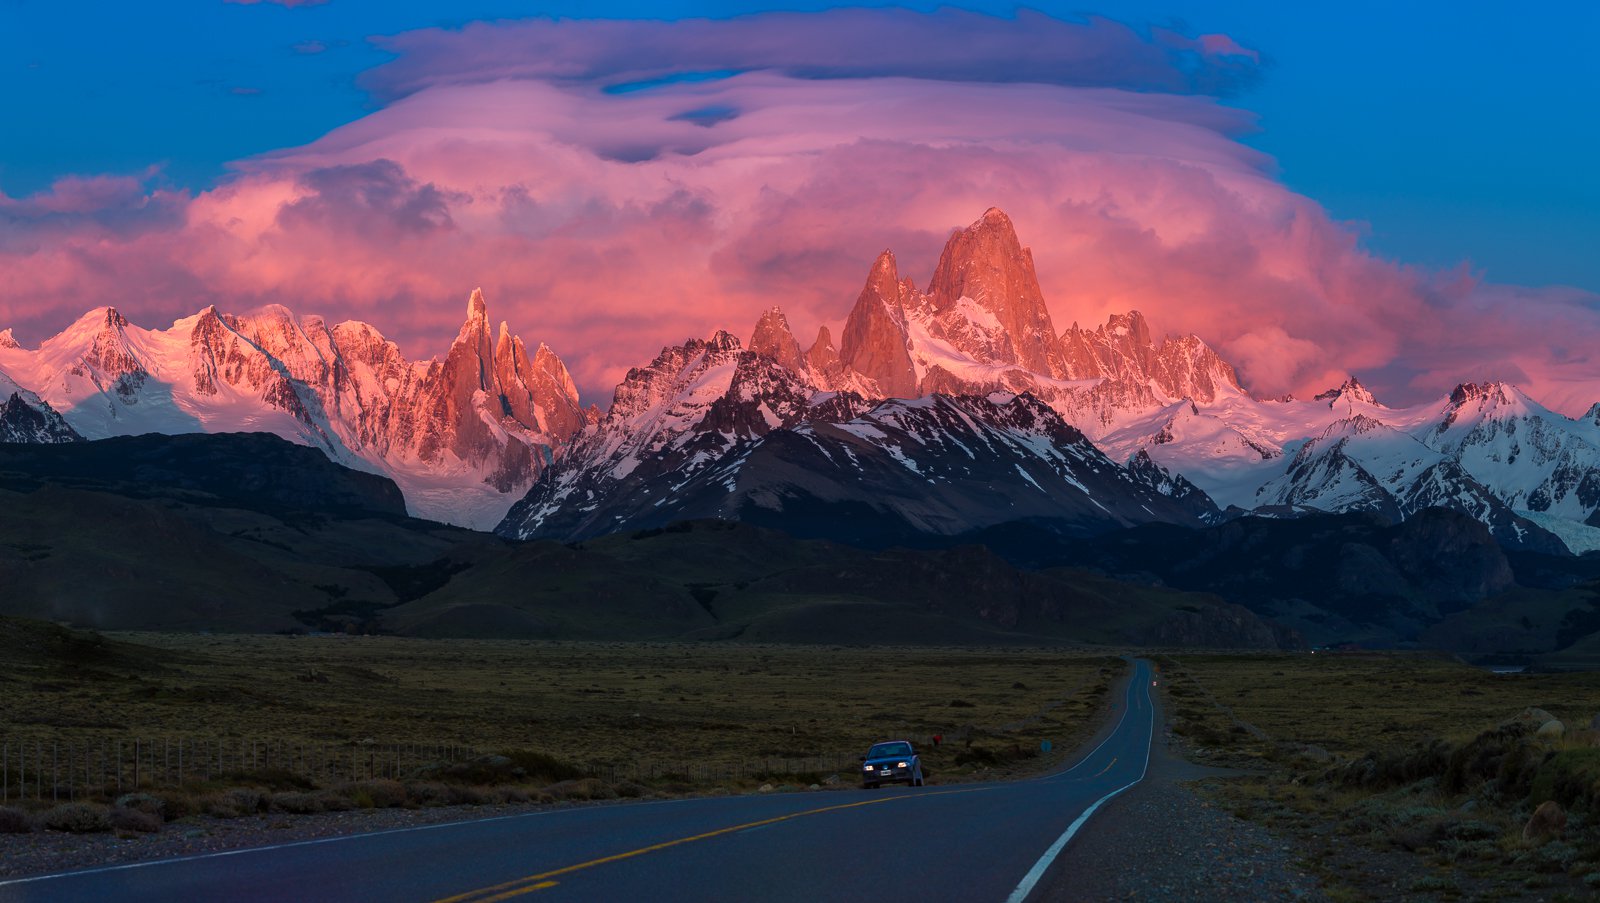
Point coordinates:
[[884, 750]]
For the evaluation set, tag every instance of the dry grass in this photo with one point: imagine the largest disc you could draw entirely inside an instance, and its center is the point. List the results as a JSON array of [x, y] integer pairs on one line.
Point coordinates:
[[1351, 703], [1393, 770], [583, 703]]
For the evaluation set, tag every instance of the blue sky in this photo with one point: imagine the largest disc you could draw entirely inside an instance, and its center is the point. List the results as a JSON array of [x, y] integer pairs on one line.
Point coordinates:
[[1453, 131]]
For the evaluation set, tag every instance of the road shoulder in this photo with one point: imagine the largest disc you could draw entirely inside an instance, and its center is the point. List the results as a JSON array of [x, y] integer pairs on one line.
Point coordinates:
[[1161, 840]]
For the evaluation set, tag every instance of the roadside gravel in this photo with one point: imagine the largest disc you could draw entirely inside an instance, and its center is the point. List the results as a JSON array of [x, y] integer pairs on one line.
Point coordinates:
[[1162, 841]]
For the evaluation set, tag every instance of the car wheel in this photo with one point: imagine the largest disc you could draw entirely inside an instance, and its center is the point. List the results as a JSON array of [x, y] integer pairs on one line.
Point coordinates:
[[872, 786]]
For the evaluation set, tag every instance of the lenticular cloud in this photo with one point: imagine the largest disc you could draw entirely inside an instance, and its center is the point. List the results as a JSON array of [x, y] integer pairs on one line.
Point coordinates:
[[618, 186]]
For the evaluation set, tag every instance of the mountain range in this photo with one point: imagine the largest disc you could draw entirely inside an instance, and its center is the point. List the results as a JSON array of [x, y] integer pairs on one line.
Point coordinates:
[[939, 412], [462, 437]]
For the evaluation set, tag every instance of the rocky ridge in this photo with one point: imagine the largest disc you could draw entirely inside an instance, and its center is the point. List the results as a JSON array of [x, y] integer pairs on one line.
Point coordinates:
[[463, 437]]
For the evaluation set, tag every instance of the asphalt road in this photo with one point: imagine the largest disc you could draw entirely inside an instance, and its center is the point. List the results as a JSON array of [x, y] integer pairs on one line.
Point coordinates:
[[961, 842]]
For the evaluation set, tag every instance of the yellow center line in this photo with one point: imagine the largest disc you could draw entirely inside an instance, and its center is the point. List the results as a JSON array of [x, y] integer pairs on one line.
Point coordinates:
[[531, 883], [1108, 766]]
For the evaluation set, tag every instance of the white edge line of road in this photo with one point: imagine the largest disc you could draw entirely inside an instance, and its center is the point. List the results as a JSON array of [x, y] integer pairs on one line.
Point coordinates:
[[1090, 754], [302, 843], [1025, 887]]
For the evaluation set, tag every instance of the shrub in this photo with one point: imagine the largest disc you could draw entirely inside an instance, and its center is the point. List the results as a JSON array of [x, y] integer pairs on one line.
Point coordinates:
[[334, 802], [143, 802], [76, 818], [585, 789], [378, 794], [270, 778], [429, 793], [233, 803], [14, 821], [1554, 856], [176, 805], [295, 802], [135, 820], [247, 800], [514, 766], [1434, 883], [1569, 777]]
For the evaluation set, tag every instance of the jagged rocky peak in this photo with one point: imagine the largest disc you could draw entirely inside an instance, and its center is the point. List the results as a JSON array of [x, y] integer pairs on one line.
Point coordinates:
[[674, 369], [824, 357], [33, 422], [7, 340], [1351, 390], [1354, 426], [109, 350], [874, 340], [1490, 392], [1130, 327], [555, 394], [987, 264], [773, 338]]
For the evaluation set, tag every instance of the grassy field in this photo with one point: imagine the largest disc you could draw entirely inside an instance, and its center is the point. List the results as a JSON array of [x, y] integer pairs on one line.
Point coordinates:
[[1403, 773], [586, 704]]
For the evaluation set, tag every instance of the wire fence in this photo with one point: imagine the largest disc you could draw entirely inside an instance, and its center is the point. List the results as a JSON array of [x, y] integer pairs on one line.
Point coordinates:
[[54, 770], [753, 768], [65, 771]]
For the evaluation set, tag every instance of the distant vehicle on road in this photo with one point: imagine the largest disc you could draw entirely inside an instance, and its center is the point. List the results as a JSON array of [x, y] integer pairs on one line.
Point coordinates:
[[891, 762]]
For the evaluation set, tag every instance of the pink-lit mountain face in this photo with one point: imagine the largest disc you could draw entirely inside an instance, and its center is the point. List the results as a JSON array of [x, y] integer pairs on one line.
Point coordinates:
[[1171, 410], [1084, 423], [463, 437]]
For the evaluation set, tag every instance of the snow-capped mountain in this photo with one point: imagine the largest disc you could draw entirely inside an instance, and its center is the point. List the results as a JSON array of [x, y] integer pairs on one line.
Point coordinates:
[[1489, 451], [982, 326], [466, 436], [710, 430], [463, 438], [1171, 406]]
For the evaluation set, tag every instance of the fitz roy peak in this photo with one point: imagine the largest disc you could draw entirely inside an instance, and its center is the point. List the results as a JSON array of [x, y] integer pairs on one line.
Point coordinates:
[[463, 437]]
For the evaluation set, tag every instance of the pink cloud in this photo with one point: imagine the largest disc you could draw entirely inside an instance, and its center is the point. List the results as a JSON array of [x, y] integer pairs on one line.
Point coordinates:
[[609, 224]]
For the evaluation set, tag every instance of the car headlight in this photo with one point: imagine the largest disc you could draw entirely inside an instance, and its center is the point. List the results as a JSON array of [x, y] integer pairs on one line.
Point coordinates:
[[899, 764], [866, 768]]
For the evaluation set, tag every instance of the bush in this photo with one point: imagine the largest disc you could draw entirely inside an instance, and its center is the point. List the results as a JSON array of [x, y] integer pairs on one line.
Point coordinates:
[[176, 805], [76, 818], [14, 821], [143, 802], [246, 800], [429, 793], [335, 802], [135, 821], [295, 803], [233, 803], [585, 789], [1570, 777], [270, 778], [379, 794], [514, 766], [1554, 856]]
